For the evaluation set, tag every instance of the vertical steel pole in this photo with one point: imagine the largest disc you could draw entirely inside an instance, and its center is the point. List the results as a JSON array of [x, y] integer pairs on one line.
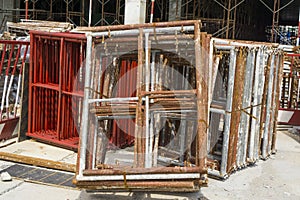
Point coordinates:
[[202, 99], [138, 151], [274, 103], [90, 13], [152, 11], [268, 109], [278, 89], [261, 101], [26, 9], [231, 75], [147, 155], [255, 112], [248, 98], [85, 110], [236, 105], [228, 19]]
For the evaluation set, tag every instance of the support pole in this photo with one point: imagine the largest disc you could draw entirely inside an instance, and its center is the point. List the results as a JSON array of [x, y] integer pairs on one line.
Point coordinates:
[[26, 8], [228, 19], [152, 11], [90, 13], [275, 19]]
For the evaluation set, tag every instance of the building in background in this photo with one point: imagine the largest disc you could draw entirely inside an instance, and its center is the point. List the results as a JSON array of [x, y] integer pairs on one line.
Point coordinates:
[[248, 19]]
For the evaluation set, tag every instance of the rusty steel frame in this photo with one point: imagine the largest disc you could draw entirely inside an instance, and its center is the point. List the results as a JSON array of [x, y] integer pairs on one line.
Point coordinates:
[[145, 173], [255, 109]]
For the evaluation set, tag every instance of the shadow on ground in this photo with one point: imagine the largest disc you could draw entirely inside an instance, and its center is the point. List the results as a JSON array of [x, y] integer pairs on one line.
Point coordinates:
[[84, 195]]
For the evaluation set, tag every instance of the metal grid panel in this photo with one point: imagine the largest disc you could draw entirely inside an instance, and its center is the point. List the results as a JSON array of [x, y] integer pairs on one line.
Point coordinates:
[[54, 92]]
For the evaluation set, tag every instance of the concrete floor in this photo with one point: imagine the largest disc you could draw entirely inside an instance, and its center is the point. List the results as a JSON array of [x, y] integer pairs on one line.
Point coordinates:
[[276, 178]]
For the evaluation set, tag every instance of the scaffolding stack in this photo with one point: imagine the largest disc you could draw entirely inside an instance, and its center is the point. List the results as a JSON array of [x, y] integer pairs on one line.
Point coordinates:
[[158, 106], [54, 92], [167, 109], [244, 102]]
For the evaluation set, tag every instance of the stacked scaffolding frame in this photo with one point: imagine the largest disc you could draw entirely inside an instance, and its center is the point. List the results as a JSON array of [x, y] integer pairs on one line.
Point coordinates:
[[168, 109], [244, 103]]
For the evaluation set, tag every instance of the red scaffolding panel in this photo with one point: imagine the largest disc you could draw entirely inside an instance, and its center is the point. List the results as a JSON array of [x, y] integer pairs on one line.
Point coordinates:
[[55, 94]]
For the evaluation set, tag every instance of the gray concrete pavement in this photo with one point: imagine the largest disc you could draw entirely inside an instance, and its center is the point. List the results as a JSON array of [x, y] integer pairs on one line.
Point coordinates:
[[276, 178]]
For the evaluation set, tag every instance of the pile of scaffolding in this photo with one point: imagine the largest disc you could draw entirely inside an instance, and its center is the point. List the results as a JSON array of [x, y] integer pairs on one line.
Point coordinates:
[[246, 78], [180, 75], [145, 92], [151, 106]]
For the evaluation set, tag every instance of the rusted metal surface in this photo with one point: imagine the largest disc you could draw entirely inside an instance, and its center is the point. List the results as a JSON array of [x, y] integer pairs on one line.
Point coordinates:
[[152, 94], [244, 101], [157, 104], [12, 61], [185, 186], [134, 26], [37, 161], [236, 109], [54, 92]]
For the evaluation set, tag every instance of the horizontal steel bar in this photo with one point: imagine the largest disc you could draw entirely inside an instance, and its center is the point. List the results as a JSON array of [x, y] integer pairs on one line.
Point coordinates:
[[58, 36], [113, 99], [222, 47], [139, 177], [137, 26], [216, 110], [172, 111], [14, 42], [115, 116], [148, 30], [241, 43]]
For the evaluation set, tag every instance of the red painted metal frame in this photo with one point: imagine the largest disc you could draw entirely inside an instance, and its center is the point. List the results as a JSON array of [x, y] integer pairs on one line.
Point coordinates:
[[126, 88], [295, 119], [12, 61], [55, 94]]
